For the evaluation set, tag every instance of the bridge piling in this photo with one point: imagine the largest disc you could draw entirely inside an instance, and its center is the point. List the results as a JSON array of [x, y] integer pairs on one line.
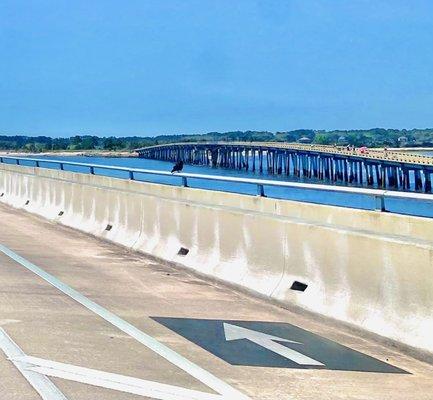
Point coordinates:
[[418, 181], [428, 186]]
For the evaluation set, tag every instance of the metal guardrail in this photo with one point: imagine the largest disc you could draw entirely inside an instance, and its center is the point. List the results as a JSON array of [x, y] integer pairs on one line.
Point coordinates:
[[378, 195]]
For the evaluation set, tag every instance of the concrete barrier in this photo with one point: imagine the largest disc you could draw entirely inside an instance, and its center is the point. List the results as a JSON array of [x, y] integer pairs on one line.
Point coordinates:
[[369, 269]]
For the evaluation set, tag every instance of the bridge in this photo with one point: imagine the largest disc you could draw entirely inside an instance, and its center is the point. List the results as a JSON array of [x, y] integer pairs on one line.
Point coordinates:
[[114, 288], [371, 167]]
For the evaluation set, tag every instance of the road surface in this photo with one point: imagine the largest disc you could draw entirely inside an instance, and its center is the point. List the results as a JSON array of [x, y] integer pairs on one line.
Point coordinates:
[[87, 320]]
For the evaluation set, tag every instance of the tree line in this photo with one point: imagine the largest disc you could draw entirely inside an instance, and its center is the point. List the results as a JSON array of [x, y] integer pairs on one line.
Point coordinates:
[[377, 137]]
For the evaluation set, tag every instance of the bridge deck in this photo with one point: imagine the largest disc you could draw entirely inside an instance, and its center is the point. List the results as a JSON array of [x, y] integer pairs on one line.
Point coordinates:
[[49, 324]]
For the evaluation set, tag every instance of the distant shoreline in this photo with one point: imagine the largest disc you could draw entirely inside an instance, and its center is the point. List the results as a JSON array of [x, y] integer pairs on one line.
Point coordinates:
[[82, 153], [132, 154]]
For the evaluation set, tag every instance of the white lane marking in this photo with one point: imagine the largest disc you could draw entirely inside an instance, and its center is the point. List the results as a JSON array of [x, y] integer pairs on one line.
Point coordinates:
[[117, 382], [170, 355], [234, 332], [46, 389]]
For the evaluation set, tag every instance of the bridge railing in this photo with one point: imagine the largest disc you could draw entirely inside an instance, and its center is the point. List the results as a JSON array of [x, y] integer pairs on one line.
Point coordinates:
[[380, 197]]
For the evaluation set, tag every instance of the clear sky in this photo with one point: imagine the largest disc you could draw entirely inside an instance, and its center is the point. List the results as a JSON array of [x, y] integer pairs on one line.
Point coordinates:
[[148, 67]]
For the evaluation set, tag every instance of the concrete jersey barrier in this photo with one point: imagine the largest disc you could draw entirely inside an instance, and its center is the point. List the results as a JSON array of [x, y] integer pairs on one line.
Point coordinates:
[[371, 270]]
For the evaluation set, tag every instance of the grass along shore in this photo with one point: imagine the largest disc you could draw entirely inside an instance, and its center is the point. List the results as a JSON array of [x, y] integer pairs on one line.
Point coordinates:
[[72, 153]]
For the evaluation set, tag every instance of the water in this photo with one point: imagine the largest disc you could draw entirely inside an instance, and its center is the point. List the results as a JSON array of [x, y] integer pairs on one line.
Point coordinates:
[[401, 206], [428, 153]]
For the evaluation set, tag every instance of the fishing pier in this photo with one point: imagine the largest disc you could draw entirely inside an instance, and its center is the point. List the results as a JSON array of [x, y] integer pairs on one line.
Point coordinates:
[[364, 167]]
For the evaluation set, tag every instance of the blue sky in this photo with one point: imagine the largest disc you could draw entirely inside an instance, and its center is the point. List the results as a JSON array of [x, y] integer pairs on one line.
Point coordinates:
[[144, 67]]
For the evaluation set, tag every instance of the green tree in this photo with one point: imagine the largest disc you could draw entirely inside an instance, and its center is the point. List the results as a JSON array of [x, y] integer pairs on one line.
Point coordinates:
[[322, 139]]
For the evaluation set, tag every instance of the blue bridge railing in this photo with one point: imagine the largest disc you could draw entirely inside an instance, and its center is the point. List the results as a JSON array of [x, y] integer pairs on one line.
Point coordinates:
[[412, 203]]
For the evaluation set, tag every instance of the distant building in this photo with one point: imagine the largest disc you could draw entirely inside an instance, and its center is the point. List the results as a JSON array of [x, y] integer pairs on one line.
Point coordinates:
[[304, 139], [342, 140], [402, 141]]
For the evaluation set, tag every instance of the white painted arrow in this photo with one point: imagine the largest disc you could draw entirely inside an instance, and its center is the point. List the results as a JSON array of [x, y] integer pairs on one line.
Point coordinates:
[[234, 332]]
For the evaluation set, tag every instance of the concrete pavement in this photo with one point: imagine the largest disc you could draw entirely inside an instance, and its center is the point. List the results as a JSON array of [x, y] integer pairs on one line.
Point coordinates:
[[49, 324]]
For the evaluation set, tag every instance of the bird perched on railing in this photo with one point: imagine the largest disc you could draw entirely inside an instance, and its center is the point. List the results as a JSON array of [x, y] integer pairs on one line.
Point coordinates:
[[177, 167]]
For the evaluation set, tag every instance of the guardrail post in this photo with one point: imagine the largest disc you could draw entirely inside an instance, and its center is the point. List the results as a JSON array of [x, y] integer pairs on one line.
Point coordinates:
[[379, 203], [184, 181], [92, 170], [260, 191], [62, 166], [18, 162], [37, 163], [131, 175]]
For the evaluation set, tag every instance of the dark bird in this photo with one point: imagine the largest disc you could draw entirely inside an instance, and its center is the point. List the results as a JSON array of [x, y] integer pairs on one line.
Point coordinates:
[[177, 167]]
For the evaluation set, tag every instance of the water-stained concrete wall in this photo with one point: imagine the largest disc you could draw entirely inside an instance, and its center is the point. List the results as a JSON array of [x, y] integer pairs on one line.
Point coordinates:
[[373, 270]]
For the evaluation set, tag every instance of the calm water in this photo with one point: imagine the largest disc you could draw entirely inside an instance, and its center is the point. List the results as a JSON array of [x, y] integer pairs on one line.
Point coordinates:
[[422, 153], [340, 199]]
